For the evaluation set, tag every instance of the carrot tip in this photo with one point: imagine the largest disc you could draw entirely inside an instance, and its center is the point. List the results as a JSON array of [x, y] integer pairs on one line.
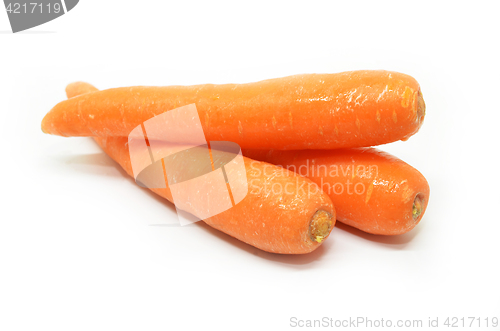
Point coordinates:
[[321, 225]]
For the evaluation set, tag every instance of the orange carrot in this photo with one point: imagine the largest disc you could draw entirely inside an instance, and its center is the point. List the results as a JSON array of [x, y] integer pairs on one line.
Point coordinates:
[[282, 212], [294, 222], [371, 190], [78, 88], [311, 111]]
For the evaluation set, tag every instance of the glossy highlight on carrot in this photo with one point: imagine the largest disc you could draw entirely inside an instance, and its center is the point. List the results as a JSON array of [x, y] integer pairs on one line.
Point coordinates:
[[371, 190], [310, 111], [294, 223]]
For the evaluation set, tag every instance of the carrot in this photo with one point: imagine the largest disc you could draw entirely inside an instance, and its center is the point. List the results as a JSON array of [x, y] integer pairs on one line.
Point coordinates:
[[295, 222], [371, 190], [78, 88], [311, 111], [281, 213]]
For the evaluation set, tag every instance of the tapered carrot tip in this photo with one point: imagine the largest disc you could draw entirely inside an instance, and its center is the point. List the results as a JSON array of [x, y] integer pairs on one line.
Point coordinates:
[[321, 225]]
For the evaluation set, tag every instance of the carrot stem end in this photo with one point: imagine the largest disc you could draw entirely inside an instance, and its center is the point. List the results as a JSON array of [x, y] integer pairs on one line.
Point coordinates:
[[418, 206], [320, 227]]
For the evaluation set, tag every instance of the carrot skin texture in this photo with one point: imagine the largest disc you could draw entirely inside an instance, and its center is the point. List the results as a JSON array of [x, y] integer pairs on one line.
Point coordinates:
[[277, 223], [371, 190], [311, 111]]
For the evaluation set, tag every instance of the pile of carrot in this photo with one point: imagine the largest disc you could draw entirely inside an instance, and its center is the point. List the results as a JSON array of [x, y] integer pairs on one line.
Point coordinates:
[[314, 131]]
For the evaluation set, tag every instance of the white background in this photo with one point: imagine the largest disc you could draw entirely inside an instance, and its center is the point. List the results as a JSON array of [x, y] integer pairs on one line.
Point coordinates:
[[83, 248]]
